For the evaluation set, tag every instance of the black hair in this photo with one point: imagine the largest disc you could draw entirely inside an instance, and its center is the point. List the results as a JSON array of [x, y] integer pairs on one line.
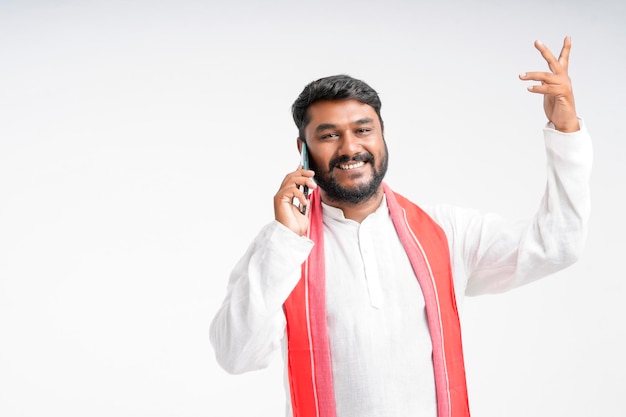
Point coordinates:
[[334, 87]]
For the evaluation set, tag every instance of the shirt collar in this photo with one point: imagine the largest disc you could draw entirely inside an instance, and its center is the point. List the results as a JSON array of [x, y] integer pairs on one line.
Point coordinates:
[[337, 213]]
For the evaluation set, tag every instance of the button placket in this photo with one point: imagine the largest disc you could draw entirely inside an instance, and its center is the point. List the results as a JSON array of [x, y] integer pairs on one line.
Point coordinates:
[[372, 276]]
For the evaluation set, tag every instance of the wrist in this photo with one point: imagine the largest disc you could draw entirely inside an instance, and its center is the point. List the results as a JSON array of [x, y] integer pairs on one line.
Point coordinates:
[[568, 127]]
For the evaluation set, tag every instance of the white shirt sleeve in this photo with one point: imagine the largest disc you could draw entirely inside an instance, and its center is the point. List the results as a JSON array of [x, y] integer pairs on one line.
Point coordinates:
[[248, 328], [491, 255]]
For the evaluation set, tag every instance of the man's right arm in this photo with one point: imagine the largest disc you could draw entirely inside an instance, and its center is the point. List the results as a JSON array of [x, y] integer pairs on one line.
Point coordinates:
[[247, 329]]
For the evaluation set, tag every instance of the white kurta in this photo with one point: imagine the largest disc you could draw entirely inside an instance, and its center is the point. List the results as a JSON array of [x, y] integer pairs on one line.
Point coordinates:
[[380, 343]]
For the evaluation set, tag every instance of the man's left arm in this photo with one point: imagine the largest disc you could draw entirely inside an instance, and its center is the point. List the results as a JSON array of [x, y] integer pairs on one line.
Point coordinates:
[[497, 255], [509, 256]]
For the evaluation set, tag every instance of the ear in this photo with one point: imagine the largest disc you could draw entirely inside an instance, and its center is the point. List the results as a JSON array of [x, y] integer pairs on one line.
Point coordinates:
[[299, 144]]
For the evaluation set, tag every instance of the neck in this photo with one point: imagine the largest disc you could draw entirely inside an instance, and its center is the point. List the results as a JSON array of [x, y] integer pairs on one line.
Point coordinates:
[[356, 211]]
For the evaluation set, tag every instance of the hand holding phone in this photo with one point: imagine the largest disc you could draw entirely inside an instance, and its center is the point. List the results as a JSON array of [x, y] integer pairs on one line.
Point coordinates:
[[292, 198]]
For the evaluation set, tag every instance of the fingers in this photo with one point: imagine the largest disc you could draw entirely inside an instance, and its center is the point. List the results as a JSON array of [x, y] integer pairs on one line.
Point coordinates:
[[291, 190], [301, 177], [557, 90], [550, 84], [290, 193], [553, 63], [556, 65], [564, 55], [550, 81], [556, 87], [543, 77]]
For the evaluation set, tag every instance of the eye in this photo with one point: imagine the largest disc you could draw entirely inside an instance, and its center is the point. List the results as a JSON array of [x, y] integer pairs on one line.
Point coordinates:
[[364, 130], [329, 136]]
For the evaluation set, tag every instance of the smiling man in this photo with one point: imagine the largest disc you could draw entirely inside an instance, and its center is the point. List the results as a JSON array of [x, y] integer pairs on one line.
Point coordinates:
[[348, 152], [361, 291]]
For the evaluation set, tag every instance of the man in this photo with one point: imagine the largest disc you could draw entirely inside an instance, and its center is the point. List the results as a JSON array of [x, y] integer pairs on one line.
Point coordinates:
[[361, 291]]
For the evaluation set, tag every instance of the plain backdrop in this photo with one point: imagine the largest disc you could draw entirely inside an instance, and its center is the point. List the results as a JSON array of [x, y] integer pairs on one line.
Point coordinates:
[[141, 143]]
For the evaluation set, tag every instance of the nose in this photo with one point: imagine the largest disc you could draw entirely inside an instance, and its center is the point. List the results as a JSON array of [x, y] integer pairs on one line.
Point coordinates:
[[349, 144]]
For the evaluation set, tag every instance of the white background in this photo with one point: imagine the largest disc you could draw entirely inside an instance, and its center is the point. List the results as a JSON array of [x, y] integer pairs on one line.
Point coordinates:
[[141, 143]]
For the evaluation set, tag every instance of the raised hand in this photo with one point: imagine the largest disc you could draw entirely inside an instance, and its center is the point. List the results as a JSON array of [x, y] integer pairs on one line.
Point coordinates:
[[556, 87], [284, 210]]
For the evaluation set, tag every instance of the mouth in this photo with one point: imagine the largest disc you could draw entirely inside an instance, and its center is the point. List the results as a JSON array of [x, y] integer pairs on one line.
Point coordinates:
[[351, 165]]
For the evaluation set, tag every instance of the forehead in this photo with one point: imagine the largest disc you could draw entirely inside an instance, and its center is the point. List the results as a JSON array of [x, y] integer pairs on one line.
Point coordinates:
[[339, 112]]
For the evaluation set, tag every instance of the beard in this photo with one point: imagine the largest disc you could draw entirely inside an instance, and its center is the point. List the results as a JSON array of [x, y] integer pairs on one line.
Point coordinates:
[[356, 194]]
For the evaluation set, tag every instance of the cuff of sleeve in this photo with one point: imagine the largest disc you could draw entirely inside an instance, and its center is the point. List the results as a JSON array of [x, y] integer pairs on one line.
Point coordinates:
[[274, 266], [569, 149], [284, 251], [551, 129], [289, 238]]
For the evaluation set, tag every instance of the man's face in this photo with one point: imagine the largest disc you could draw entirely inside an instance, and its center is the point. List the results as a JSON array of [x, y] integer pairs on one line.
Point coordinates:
[[347, 150]]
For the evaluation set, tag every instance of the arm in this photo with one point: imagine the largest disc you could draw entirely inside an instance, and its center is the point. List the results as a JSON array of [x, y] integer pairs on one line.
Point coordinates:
[[503, 255], [492, 255], [248, 327]]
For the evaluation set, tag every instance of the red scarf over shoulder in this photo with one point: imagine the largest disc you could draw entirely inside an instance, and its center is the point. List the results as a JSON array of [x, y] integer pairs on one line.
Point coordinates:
[[309, 362]]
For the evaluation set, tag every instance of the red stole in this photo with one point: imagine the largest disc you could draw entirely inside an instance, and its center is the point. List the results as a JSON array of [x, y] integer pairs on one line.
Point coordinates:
[[309, 363]]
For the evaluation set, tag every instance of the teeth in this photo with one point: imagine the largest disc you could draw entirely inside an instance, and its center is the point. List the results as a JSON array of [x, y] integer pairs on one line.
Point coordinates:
[[352, 166]]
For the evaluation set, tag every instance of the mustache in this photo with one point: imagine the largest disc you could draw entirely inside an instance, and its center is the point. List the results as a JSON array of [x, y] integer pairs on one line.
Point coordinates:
[[344, 159]]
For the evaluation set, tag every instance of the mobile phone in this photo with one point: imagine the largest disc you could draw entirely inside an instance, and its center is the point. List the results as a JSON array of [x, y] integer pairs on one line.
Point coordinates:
[[304, 155]]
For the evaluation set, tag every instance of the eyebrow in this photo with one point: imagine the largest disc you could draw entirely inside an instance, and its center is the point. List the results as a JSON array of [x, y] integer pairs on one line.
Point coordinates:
[[326, 126]]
